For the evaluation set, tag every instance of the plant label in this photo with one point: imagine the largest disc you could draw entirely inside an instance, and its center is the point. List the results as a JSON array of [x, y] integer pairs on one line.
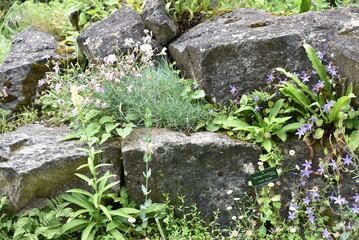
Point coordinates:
[[263, 177]]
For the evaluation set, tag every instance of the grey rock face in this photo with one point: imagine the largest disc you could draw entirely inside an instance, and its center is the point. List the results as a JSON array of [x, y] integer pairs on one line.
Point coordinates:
[[30, 57], [35, 164], [108, 35], [242, 47], [156, 19], [203, 167]]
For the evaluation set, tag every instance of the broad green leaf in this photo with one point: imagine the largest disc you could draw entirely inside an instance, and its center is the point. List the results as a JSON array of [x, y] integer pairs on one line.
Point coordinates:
[[295, 93], [113, 224], [91, 114], [111, 126], [85, 234], [277, 205], [73, 9], [319, 122], [117, 234], [121, 213], [353, 141], [252, 129], [106, 119], [275, 110], [103, 165], [234, 122], [349, 90], [74, 224], [77, 213], [244, 100], [198, 94], [212, 128], [333, 113], [96, 200], [288, 128], [82, 18], [110, 2], [318, 66], [267, 144], [218, 120], [110, 185], [105, 137], [102, 180], [81, 191], [130, 210], [72, 135], [305, 6], [276, 198], [105, 177], [124, 132], [282, 136], [318, 134], [85, 178], [79, 200], [249, 108], [298, 82], [92, 12], [262, 230], [105, 211]]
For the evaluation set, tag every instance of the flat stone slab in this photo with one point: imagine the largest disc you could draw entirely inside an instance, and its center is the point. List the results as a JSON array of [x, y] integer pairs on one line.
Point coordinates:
[[35, 164], [242, 47], [202, 167]]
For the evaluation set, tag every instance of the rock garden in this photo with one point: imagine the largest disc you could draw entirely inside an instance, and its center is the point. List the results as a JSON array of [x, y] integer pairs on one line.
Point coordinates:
[[171, 120]]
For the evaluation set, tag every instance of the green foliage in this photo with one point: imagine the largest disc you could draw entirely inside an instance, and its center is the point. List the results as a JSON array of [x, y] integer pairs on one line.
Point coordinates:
[[247, 121], [281, 7], [8, 124], [178, 9], [305, 6], [42, 224], [320, 103], [6, 30], [90, 11], [184, 222], [37, 224], [52, 18], [5, 220], [138, 5], [93, 217]]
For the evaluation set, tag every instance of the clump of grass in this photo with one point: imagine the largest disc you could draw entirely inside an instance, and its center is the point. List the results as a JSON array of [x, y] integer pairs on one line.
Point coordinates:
[[25, 117], [159, 89], [184, 222], [282, 7], [52, 18]]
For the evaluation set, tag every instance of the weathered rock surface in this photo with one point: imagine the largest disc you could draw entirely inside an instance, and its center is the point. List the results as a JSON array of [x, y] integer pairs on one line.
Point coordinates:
[[156, 19], [108, 35], [35, 164], [203, 167], [242, 47], [30, 57]]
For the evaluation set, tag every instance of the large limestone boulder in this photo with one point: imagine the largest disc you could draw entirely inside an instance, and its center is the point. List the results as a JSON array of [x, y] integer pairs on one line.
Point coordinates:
[[35, 164], [157, 20], [203, 167], [108, 35], [241, 48], [30, 58]]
